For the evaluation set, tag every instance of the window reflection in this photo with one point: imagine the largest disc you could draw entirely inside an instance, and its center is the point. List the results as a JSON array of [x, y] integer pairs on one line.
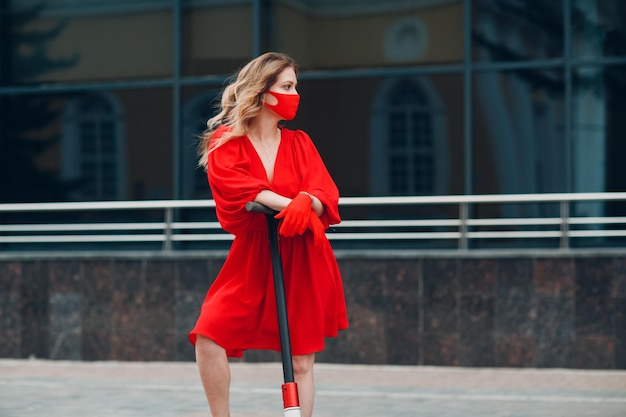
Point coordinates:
[[332, 34], [599, 28], [149, 143], [401, 125], [518, 132], [511, 30], [30, 131], [68, 41], [410, 142], [199, 105], [93, 151], [598, 128], [104, 145], [217, 36], [394, 131]]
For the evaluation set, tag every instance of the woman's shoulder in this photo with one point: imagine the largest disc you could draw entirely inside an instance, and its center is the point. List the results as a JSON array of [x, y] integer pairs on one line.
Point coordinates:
[[230, 149], [221, 131], [225, 132], [298, 136]]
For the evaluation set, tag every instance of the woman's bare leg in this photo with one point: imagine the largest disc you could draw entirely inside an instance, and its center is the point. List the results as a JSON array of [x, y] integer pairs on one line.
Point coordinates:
[[215, 375], [303, 374]]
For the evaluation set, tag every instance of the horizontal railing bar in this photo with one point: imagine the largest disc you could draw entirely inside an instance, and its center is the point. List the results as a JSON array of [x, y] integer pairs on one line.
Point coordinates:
[[202, 237], [597, 233], [396, 223], [513, 234], [513, 222], [332, 236], [485, 198], [81, 227], [107, 205], [344, 201], [112, 238], [196, 225], [390, 236], [106, 226], [596, 220], [343, 224], [82, 238]]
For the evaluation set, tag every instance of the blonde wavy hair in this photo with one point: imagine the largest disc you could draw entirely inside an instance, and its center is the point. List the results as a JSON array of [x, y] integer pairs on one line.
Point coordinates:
[[242, 100]]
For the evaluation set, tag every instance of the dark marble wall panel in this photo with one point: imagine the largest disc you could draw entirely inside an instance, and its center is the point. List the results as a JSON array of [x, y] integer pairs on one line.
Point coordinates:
[[555, 277], [65, 330], [619, 321], [594, 306], [65, 304], [364, 342], [594, 310], [619, 280], [619, 326], [477, 331], [515, 350], [514, 277], [477, 276], [194, 279], [594, 276], [477, 293], [128, 309], [554, 286], [188, 305], [441, 349], [440, 311], [97, 291], [535, 311], [554, 331], [516, 313], [65, 276], [10, 316], [441, 289], [402, 307], [365, 283], [197, 275], [365, 298], [159, 319], [595, 352], [34, 295]]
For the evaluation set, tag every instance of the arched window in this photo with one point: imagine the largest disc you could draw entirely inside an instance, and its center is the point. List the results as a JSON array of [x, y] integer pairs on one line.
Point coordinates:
[[93, 154], [409, 143], [411, 158]]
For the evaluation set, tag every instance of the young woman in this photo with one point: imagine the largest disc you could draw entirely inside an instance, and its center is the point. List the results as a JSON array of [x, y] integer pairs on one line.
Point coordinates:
[[249, 157]]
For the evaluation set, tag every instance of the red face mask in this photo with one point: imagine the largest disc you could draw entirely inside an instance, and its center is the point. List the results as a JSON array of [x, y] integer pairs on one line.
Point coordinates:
[[287, 105]]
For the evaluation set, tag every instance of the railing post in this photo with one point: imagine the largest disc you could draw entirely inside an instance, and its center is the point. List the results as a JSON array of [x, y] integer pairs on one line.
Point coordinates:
[[169, 218], [463, 215], [564, 224]]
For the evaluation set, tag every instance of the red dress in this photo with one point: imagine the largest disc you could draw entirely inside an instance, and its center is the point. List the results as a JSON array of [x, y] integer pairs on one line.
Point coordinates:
[[239, 311]]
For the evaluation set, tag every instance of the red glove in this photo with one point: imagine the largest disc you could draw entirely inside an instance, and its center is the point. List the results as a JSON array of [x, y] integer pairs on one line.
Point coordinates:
[[295, 216], [316, 226]]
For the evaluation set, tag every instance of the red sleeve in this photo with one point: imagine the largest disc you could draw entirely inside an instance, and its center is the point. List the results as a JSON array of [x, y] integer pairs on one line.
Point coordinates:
[[316, 179], [233, 184]]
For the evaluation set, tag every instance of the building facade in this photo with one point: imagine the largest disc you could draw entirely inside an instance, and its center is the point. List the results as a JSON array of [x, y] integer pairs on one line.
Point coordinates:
[[104, 100]]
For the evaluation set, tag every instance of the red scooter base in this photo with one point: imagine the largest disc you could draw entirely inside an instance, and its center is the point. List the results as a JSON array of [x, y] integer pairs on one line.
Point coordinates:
[[291, 402]]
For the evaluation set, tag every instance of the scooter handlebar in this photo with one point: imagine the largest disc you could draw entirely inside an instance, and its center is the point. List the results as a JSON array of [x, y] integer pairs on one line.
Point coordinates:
[[260, 208]]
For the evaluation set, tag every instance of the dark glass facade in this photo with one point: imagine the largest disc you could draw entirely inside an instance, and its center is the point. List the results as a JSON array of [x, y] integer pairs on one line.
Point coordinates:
[[104, 100]]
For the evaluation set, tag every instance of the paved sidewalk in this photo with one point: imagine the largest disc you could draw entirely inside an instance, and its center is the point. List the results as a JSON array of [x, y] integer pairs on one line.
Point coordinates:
[[39, 388]]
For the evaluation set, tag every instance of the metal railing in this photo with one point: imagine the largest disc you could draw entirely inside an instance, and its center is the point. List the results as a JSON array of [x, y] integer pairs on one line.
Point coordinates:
[[462, 222]]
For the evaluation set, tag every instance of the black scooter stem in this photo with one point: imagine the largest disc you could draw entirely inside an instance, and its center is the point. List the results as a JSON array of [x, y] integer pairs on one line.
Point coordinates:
[[291, 401]]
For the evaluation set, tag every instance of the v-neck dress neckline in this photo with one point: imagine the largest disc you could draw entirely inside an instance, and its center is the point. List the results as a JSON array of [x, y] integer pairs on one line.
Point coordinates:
[[269, 176]]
